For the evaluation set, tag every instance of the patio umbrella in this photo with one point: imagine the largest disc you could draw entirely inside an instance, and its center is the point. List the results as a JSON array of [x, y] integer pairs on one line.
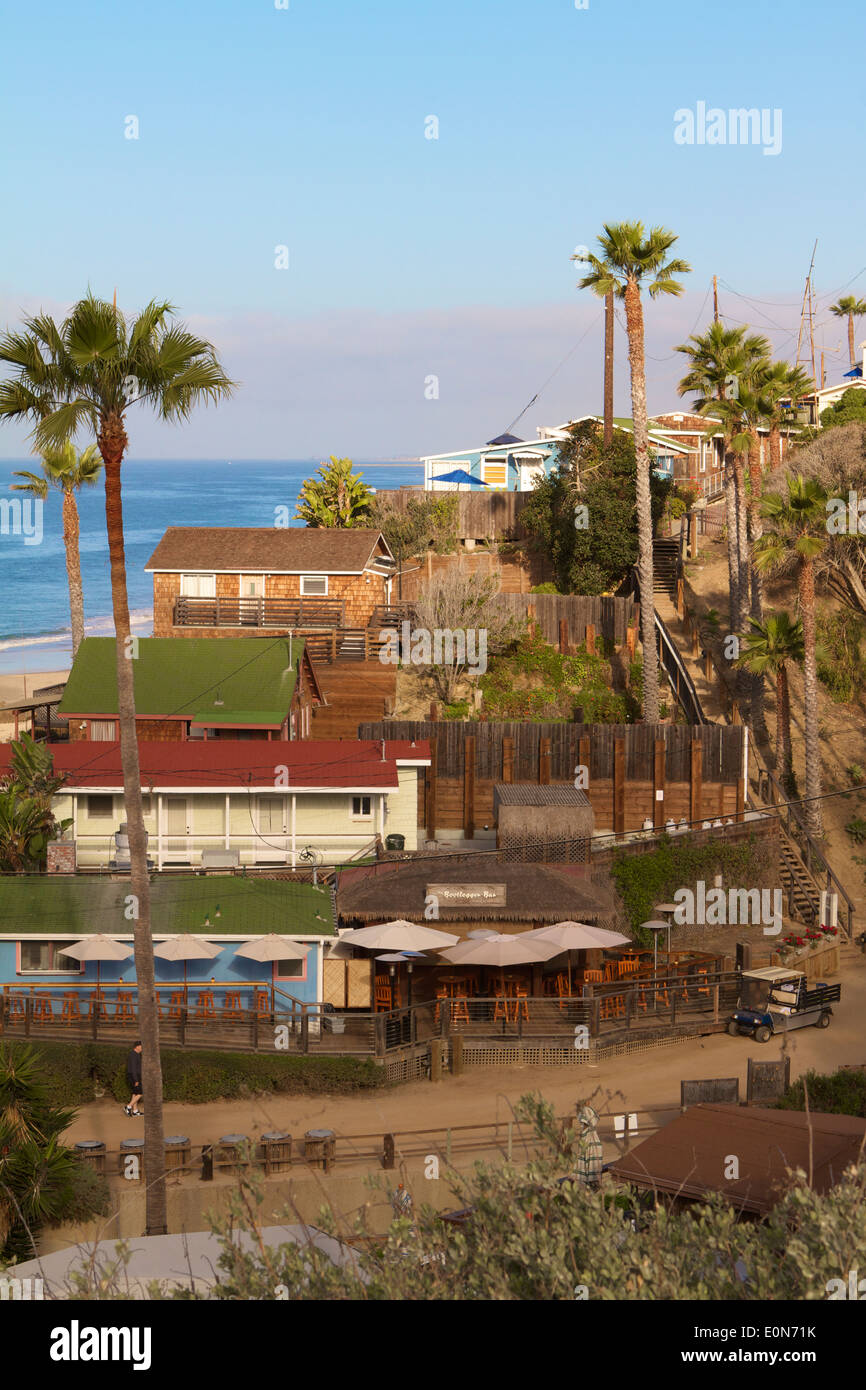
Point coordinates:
[[186, 948], [483, 934], [272, 947], [577, 936], [99, 948], [458, 476], [502, 950], [398, 936]]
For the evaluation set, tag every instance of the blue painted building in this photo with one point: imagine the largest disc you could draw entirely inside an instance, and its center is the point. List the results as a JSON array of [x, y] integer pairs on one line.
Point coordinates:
[[505, 464], [40, 914]]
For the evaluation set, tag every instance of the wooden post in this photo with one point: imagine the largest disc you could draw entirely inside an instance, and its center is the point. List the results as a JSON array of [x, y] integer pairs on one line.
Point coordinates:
[[431, 790], [544, 762], [681, 599], [708, 667], [619, 786], [434, 712], [469, 787], [388, 1158], [696, 641], [631, 642], [508, 760], [590, 639], [740, 801], [436, 1049], [457, 1055], [696, 780], [366, 644], [563, 636], [659, 784], [334, 643]]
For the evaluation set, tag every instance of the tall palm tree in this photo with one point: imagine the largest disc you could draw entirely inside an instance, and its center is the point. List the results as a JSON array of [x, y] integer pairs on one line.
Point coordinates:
[[850, 308], [720, 359], [783, 383], [795, 534], [629, 257], [86, 373], [67, 470], [768, 649]]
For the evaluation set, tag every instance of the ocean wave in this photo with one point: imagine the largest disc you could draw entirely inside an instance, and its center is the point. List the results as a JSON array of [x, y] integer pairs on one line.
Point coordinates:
[[95, 627]]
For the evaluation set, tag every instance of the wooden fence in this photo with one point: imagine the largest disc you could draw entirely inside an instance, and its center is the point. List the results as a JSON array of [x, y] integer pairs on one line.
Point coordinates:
[[481, 515], [698, 770], [570, 615]]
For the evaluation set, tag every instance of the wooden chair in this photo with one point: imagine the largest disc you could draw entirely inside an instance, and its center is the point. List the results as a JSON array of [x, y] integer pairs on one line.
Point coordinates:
[[563, 991], [611, 970], [232, 1007], [263, 1003], [383, 994], [204, 1008], [612, 1006], [627, 967], [71, 1013], [43, 1009], [124, 1011], [593, 977]]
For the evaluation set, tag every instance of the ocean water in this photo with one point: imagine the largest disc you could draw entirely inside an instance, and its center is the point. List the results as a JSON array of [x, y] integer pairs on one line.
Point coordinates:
[[34, 598]]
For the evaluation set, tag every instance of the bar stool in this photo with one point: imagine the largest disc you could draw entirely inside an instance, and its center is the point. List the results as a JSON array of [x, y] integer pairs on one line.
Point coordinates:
[[232, 1008], [702, 980], [263, 1003], [43, 1009], [613, 1006], [124, 1010], [71, 1013], [204, 1005], [97, 1004], [459, 1010], [17, 1007], [500, 1008]]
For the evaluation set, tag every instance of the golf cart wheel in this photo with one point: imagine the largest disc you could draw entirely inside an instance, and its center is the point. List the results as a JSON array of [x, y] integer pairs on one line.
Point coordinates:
[[823, 1021], [733, 1028], [762, 1034]]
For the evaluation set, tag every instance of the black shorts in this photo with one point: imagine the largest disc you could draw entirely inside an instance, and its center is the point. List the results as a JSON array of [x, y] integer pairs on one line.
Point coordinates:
[[134, 1086]]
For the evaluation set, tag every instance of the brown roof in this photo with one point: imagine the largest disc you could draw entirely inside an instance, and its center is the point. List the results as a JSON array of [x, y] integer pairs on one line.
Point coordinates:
[[535, 794], [271, 549], [533, 892], [688, 1156]]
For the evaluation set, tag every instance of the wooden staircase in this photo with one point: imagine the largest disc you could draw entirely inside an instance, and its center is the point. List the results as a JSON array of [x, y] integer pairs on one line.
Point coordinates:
[[802, 894], [666, 566]]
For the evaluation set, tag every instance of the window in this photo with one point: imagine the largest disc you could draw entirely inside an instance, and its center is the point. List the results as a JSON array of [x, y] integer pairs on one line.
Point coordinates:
[[198, 585], [314, 585], [270, 810], [47, 957], [252, 586], [100, 807], [102, 730], [362, 808], [495, 473], [290, 970]]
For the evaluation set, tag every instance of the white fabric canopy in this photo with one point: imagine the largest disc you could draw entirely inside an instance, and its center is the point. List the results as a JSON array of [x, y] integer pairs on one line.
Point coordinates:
[[398, 936], [273, 947], [502, 950]]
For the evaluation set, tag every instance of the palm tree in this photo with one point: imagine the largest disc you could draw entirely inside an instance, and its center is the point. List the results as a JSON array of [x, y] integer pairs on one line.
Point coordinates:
[[767, 650], [721, 359], [86, 373], [65, 469], [628, 258], [783, 383], [850, 308], [795, 534], [341, 499]]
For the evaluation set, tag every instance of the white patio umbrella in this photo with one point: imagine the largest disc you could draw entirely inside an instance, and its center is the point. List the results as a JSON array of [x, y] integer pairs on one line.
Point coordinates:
[[99, 948], [186, 948], [273, 947], [502, 950], [398, 936], [577, 936]]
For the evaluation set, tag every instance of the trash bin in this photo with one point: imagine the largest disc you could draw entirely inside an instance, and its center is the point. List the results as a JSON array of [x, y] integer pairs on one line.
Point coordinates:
[[334, 1023], [92, 1151], [178, 1152], [276, 1150], [132, 1149], [228, 1151], [320, 1147], [395, 841]]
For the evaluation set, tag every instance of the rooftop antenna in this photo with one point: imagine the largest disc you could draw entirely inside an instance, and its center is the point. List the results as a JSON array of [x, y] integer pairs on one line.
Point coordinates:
[[715, 299]]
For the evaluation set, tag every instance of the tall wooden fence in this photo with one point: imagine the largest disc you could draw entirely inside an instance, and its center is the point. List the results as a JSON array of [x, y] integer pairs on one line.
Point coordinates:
[[481, 515], [697, 769], [555, 614]]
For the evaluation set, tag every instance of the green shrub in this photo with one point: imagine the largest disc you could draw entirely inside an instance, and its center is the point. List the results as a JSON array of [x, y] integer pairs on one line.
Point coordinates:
[[856, 828], [72, 1073], [544, 589], [839, 1093], [642, 880]]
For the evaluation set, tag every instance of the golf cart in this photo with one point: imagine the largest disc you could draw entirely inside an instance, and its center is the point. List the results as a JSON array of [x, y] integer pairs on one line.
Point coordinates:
[[776, 1000]]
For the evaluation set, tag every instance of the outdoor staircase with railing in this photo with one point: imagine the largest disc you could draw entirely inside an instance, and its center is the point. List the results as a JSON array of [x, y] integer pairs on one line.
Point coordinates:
[[666, 565]]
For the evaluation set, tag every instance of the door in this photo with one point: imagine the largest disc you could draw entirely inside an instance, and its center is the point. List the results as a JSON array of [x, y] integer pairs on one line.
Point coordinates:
[[252, 593], [177, 846]]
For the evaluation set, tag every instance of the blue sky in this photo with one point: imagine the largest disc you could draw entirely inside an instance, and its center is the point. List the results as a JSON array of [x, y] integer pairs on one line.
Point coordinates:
[[305, 127]]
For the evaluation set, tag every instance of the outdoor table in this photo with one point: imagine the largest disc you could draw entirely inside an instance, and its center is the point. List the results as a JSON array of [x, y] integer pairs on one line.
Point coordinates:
[[92, 1151]]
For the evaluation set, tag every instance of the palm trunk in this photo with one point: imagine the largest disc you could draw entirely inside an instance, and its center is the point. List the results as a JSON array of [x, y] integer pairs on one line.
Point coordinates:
[[73, 569], [608, 369], [756, 527], [112, 443], [784, 754], [775, 445], [733, 538], [851, 339], [634, 324], [806, 587], [743, 584]]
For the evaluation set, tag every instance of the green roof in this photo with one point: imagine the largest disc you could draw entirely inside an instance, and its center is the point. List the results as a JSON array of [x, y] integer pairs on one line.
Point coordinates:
[[186, 675], [247, 906]]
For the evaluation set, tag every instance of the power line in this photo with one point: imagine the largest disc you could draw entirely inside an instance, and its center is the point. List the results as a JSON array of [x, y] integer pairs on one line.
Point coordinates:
[[543, 388]]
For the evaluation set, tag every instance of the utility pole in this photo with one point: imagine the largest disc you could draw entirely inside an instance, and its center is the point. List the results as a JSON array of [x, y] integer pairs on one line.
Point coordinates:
[[807, 308], [608, 369], [715, 299]]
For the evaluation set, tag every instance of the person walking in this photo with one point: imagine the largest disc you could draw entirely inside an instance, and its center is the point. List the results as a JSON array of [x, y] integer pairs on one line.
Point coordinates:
[[133, 1078]]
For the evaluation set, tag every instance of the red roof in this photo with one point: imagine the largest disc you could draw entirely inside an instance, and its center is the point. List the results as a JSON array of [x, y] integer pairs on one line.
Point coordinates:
[[243, 763]]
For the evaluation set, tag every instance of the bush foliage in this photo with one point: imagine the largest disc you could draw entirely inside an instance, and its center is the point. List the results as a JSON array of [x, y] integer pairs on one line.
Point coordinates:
[[645, 879]]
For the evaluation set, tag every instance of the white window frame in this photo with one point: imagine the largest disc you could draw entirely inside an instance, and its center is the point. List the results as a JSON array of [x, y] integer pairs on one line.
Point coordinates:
[[102, 737], [270, 798], [257, 579], [198, 576], [76, 967], [317, 579], [362, 814], [99, 815]]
